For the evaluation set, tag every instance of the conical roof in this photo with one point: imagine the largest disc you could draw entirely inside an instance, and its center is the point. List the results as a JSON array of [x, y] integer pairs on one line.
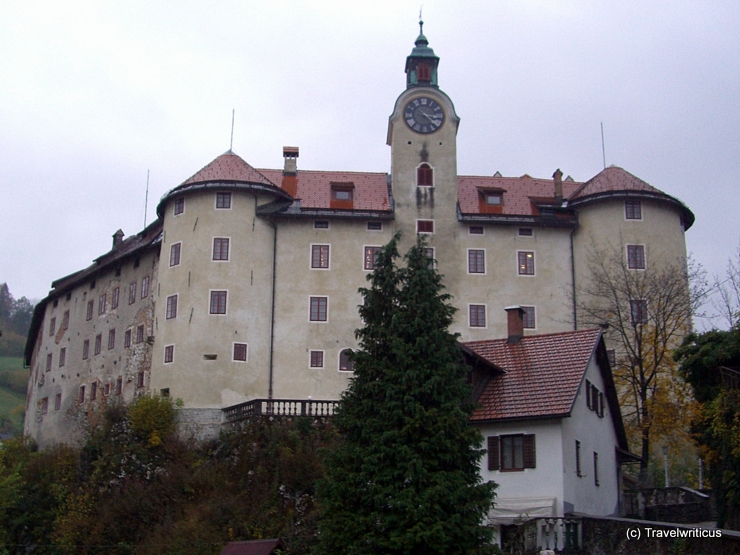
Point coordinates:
[[228, 167]]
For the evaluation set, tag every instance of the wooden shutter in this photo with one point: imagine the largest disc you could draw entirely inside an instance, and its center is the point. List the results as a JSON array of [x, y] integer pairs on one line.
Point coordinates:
[[530, 455], [494, 457], [588, 395], [601, 404]]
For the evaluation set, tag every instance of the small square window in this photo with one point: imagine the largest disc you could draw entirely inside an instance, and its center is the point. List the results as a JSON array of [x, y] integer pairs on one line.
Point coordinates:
[[317, 359], [115, 297], [320, 257], [240, 352], [132, 293], [321, 224], [218, 302], [372, 255], [98, 343], [85, 349], [528, 320], [477, 315], [223, 201], [145, 287], [175, 254], [346, 364], [424, 226], [475, 230], [169, 355], [319, 309], [171, 308], [89, 313], [111, 339], [220, 248], [632, 210], [636, 257], [476, 261], [62, 356], [525, 232], [526, 263], [375, 226], [102, 304], [179, 206], [127, 338]]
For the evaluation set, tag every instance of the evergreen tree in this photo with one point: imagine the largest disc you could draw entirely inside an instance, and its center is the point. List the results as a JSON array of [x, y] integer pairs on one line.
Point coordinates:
[[404, 477]]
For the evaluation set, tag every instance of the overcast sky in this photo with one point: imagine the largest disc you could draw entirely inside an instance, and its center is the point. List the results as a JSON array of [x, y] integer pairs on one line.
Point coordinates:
[[95, 94]]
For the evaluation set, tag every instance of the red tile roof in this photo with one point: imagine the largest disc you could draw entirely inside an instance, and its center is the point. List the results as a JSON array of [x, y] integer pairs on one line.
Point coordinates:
[[314, 188], [517, 192], [613, 179], [228, 167], [543, 374]]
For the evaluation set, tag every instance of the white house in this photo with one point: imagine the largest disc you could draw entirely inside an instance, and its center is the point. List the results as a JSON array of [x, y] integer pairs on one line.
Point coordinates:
[[551, 424]]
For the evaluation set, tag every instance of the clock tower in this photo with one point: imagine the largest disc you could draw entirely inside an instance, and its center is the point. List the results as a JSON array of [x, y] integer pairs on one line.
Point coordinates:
[[422, 135]]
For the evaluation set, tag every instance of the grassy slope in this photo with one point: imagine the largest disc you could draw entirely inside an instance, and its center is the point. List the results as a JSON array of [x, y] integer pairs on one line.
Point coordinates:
[[10, 400]]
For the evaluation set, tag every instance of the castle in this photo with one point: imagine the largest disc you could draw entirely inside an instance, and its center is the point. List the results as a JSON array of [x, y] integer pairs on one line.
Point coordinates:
[[246, 286]]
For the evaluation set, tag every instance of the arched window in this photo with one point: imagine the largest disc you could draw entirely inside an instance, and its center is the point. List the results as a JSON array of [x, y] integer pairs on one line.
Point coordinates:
[[424, 176], [345, 364]]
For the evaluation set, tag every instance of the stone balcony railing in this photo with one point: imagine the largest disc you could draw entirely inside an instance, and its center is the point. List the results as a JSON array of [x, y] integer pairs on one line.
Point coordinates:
[[558, 535], [279, 407]]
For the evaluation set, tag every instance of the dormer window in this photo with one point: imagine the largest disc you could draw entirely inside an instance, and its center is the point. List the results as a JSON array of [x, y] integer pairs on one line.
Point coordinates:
[[343, 192], [423, 72], [492, 198], [425, 176]]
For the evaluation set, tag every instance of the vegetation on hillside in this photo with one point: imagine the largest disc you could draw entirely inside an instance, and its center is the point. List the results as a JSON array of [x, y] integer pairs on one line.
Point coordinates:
[[15, 319], [13, 385]]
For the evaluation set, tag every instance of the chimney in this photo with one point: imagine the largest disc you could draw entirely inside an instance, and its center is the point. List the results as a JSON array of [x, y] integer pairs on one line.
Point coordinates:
[[290, 155], [515, 322], [558, 178], [117, 238]]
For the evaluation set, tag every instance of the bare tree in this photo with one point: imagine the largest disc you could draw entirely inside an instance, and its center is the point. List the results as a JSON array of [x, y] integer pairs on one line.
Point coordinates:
[[646, 310], [726, 298]]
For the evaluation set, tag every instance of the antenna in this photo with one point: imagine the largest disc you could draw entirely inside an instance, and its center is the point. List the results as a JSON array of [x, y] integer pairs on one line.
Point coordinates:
[[231, 144], [603, 149], [146, 197]]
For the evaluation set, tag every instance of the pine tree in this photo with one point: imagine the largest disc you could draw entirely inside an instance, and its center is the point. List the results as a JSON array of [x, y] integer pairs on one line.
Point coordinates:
[[404, 477]]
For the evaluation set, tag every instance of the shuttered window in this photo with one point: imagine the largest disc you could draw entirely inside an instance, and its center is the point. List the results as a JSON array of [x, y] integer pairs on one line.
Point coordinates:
[[512, 452]]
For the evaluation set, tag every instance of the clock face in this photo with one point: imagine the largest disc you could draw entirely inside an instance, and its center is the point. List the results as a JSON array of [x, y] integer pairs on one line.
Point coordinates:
[[424, 115]]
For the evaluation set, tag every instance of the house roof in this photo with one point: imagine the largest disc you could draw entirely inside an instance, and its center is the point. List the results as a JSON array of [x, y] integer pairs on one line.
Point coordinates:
[[313, 188], [543, 374], [252, 547]]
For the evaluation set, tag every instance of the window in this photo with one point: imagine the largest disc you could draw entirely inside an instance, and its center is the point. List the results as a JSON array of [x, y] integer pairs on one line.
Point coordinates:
[[114, 297], [49, 360], [223, 201], [526, 263], [511, 452], [425, 176], [493, 198], [81, 396], [169, 355], [175, 254], [424, 226], [111, 339], [220, 248], [578, 459], [240, 352], [65, 320], [132, 293], [319, 309], [371, 257], [145, 287], [476, 261], [140, 379], [632, 210], [475, 230], [106, 389], [218, 302], [321, 224], [612, 356], [346, 364], [52, 326], [119, 385], [44, 405], [62, 356], [127, 338], [375, 226], [89, 314], [140, 329], [596, 468], [525, 232], [85, 349], [171, 309], [429, 253], [102, 304], [638, 311], [636, 257], [423, 72], [477, 315], [317, 359], [342, 193], [58, 401], [179, 206], [320, 257], [528, 320], [98, 343], [93, 391]]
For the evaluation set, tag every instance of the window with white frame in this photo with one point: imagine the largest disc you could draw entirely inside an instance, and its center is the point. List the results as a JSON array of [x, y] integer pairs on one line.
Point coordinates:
[[477, 318], [372, 255], [346, 364], [171, 311], [320, 257], [528, 320], [175, 254], [525, 264], [476, 261], [319, 309], [220, 248], [636, 257], [169, 355], [240, 352], [223, 201], [632, 210], [218, 302], [316, 359]]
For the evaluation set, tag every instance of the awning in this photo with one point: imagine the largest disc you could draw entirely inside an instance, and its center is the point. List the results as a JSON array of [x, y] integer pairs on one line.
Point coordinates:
[[506, 510]]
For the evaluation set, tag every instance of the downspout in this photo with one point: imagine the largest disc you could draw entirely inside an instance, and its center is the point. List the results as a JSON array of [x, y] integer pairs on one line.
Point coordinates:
[[272, 308], [573, 279]]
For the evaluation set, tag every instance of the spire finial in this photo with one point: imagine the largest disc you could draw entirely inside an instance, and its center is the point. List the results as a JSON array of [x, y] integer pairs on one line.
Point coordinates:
[[421, 22]]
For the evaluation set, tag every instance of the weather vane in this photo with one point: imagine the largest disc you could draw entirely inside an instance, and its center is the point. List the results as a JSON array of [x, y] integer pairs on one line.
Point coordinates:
[[421, 23]]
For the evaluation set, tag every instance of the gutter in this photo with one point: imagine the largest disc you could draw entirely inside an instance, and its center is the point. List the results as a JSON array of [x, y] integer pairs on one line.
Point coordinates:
[[272, 303]]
